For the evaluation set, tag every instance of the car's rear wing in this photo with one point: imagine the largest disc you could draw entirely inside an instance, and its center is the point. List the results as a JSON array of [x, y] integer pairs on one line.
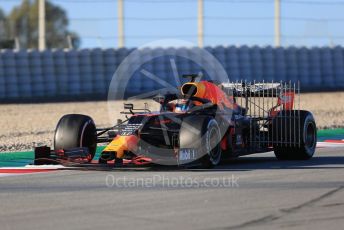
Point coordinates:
[[264, 94], [259, 89]]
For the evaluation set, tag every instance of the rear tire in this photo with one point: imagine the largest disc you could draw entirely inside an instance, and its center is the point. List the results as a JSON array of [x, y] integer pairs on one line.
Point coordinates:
[[76, 130], [305, 130]]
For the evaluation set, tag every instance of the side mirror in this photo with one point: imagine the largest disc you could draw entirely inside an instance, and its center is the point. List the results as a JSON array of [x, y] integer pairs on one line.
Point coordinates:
[[129, 106]]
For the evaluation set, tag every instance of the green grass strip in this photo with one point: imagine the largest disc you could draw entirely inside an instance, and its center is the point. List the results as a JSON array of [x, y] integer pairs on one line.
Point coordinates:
[[330, 132]]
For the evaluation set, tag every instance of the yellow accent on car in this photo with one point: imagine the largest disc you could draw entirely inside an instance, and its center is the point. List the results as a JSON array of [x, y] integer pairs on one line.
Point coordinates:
[[122, 143]]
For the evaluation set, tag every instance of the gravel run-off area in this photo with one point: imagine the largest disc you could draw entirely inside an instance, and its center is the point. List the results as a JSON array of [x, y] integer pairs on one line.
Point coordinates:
[[24, 126]]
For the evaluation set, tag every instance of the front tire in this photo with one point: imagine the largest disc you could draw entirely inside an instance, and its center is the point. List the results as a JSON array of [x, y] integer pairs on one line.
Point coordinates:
[[206, 140], [212, 144], [76, 130]]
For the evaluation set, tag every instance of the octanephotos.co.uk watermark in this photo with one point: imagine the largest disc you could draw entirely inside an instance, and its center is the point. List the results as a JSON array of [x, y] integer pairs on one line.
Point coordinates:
[[162, 181]]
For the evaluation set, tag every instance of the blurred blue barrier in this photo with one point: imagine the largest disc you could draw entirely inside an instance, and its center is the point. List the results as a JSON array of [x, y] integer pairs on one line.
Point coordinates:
[[327, 73], [37, 78], [61, 74], [2, 81], [271, 63], [10, 74], [98, 71], [338, 65], [48, 71], [245, 63], [315, 68], [256, 64], [292, 65], [74, 80], [56, 74], [279, 67], [23, 74], [232, 64], [85, 68], [303, 67]]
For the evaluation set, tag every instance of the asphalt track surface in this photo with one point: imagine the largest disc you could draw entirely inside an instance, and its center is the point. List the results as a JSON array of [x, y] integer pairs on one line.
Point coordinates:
[[253, 192]]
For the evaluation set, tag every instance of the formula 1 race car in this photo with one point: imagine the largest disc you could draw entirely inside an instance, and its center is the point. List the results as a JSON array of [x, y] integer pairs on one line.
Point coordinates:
[[203, 124]]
